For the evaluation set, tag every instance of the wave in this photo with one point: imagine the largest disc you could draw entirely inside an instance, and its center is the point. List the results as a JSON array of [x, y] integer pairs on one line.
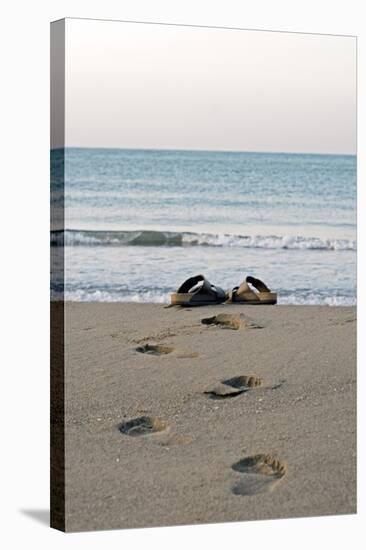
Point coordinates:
[[75, 237], [317, 300], [97, 295], [160, 297]]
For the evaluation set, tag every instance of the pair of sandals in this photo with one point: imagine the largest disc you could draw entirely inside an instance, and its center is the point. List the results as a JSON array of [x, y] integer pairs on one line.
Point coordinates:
[[198, 291]]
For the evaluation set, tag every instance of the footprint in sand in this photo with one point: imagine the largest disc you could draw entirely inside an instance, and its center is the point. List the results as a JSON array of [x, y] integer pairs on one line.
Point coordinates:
[[234, 386], [261, 474], [157, 349], [154, 349], [143, 425], [229, 321], [149, 425], [244, 381]]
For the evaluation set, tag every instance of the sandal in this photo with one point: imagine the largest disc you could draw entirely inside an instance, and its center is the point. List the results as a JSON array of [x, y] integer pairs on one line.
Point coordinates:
[[198, 291], [245, 294]]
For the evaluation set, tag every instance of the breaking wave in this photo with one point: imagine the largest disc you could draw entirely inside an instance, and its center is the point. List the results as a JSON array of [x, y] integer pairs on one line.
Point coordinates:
[[74, 237], [161, 297]]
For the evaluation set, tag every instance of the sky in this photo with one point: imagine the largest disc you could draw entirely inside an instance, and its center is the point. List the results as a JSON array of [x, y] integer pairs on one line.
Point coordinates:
[[147, 86]]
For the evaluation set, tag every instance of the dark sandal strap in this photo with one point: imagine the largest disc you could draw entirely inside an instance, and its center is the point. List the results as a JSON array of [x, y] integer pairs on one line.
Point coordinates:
[[190, 283], [206, 289], [258, 284]]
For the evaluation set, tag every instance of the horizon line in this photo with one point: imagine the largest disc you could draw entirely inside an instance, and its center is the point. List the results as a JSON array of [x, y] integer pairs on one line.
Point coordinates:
[[202, 150]]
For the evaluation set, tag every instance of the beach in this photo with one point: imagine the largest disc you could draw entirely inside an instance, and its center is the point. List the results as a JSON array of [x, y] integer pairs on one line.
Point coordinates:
[[300, 418], [139, 222]]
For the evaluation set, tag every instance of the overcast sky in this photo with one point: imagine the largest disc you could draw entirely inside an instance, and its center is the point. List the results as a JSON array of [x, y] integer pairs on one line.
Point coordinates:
[[168, 87]]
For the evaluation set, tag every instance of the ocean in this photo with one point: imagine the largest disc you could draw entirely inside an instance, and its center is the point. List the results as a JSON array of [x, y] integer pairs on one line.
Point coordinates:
[[140, 222]]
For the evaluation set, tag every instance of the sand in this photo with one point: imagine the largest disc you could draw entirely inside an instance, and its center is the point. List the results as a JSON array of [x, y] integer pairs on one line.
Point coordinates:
[[281, 445]]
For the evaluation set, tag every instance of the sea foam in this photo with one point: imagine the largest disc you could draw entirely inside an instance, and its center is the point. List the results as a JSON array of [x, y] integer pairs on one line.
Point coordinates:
[[74, 237]]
